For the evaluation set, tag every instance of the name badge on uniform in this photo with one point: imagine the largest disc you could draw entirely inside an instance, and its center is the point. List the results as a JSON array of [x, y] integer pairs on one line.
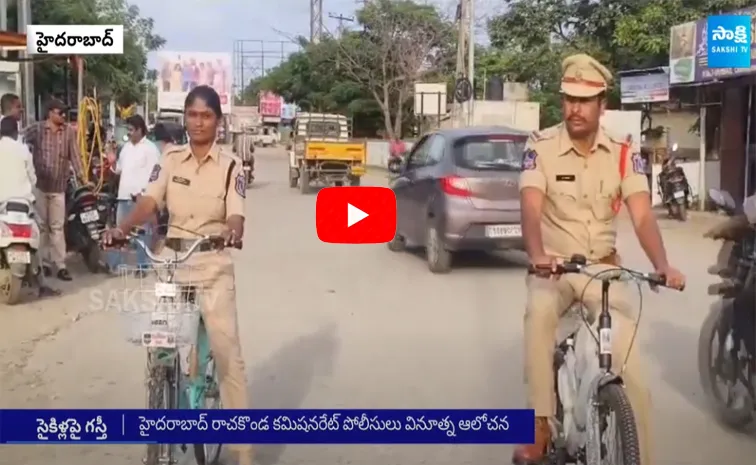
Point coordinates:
[[565, 178], [180, 180]]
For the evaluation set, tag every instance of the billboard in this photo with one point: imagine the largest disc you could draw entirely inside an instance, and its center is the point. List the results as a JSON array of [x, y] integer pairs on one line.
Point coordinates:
[[180, 72], [688, 55], [644, 88], [270, 104]]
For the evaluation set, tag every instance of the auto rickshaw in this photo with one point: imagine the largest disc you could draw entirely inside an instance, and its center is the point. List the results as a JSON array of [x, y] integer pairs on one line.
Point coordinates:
[[324, 152]]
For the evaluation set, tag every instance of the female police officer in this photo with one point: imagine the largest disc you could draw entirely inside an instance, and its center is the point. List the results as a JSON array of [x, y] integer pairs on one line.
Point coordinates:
[[203, 190]]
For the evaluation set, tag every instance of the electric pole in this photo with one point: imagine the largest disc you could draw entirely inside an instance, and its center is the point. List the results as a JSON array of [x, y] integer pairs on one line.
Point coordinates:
[[466, 57], [316, 20], [341, 19]]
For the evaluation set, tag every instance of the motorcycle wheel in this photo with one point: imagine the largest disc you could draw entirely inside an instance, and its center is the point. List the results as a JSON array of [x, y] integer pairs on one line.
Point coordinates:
[[682, 212], [91, 257], [10, 288], [713, 365], [250, 179]]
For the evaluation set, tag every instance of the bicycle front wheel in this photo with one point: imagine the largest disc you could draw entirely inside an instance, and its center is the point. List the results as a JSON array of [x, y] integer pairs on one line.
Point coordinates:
[[161, 395], [617, 442], [209, 454]]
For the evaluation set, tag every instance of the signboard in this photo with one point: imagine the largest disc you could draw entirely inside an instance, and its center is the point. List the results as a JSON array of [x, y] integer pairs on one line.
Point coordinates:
[[645, 88], [688, 56], [270, 104], [289, 111], [180, 72]]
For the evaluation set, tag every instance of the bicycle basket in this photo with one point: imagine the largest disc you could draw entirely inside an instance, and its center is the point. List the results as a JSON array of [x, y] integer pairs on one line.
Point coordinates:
[[157, 314]]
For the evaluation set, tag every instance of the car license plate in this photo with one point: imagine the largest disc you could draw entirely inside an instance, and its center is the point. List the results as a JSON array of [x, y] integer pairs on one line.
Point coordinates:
[[166, 290], [18, 256], [503, 230], [247, 168], [679, 194], [89, 216]]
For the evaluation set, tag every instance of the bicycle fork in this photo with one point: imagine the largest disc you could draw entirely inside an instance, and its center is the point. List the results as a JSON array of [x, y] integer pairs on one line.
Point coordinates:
[[605, 329]]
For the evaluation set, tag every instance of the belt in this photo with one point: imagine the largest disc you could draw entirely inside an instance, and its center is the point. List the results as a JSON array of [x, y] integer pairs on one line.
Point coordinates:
[[183, 245], [612, 259]]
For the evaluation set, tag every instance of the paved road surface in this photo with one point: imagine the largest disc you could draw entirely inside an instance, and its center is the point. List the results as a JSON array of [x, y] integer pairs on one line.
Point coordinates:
[[357, 326]]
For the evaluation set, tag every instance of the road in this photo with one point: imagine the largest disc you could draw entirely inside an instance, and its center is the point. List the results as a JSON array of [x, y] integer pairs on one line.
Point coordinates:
[[329, 326]]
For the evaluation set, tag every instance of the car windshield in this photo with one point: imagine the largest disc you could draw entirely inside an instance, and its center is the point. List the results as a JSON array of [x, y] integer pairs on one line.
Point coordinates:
[[499, 153]]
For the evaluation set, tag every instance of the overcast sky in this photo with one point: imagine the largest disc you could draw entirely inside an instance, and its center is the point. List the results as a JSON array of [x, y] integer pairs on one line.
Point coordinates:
[[214, 25]]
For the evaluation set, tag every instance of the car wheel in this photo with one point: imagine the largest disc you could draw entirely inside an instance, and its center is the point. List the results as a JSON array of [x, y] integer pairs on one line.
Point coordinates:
[[439, 259], [396, 244]]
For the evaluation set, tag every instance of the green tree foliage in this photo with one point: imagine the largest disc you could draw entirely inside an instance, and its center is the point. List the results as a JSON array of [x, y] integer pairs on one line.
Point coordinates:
[[369, 73], [401, 42], [532, 37], [119, 75]]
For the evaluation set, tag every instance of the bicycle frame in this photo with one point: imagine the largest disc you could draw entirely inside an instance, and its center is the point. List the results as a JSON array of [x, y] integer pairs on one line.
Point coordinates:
[[190, 391]]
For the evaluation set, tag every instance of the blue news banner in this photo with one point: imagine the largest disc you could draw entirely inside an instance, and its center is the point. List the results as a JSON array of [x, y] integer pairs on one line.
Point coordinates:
[[267, 426]]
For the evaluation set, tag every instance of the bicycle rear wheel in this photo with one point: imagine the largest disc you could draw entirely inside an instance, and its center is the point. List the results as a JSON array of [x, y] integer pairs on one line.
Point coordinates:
[[161, 395], [618, 433], [209, 454]]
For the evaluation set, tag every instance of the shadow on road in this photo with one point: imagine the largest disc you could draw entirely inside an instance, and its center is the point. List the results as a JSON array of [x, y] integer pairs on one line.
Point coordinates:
[[479, 260], [675, 350], [284, 380]]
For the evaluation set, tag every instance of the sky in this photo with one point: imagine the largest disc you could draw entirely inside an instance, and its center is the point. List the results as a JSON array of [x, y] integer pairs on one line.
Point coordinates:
[[214, 25]]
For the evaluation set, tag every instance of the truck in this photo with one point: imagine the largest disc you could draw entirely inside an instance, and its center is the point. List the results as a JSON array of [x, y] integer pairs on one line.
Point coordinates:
[[243, 120]]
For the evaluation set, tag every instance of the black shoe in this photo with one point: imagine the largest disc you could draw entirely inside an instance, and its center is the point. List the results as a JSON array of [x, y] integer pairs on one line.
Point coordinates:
[[64, 275], [47, 271]]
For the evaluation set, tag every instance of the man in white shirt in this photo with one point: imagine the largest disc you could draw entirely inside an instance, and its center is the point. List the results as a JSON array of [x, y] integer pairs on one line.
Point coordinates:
[[134, 164], [17, 177]]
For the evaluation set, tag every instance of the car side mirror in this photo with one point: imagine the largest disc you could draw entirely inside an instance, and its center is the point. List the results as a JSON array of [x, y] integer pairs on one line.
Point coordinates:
[[395, 165]]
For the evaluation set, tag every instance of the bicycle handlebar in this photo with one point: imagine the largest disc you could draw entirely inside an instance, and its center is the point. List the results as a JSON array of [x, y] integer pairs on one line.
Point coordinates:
[[616, 274], [218, 241]]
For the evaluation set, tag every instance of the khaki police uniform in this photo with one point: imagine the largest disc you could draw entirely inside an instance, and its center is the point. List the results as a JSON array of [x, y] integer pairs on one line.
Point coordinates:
[[578, 218], [199, 199]]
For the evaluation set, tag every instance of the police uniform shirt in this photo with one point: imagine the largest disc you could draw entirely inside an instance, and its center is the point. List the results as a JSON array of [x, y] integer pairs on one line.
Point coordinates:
[[578, 214], [195, 192]]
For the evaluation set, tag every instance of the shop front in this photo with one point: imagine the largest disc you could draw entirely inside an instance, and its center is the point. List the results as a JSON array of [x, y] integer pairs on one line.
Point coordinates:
[[726, 98]]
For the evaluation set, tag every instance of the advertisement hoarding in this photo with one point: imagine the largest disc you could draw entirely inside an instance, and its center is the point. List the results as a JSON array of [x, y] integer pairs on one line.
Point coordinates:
[[180, 72], [270, 104], [688, 55], [645, 88]]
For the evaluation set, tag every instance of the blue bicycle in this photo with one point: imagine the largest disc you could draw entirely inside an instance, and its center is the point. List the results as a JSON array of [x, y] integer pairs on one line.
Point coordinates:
[[173, 322]]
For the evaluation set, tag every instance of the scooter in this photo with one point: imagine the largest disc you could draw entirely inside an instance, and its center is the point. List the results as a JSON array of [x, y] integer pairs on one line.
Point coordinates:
[[19, 242], [727, 340], [84, 224], [674, 189]]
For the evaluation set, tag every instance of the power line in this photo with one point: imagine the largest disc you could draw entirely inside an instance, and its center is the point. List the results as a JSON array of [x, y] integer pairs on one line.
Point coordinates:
[[341, 19]]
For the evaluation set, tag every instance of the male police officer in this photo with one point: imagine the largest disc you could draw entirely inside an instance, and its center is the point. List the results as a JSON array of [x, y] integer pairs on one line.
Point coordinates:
[[571, 188]]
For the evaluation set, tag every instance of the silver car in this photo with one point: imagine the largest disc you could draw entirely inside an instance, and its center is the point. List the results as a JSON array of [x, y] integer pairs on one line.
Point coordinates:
[[458, 190]]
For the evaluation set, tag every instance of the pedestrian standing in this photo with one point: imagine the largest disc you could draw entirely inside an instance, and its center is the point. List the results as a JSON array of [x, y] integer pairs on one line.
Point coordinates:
[[10, 105], [55, 153], [135, 163]]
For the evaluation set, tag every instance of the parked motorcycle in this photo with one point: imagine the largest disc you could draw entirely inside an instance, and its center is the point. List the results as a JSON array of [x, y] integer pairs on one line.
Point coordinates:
[[674, 189], [726, 344], [19, 242], [84, 223]]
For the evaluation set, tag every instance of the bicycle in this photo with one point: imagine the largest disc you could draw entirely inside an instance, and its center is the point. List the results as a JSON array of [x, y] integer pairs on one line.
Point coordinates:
[[175, 322], [588, 392]]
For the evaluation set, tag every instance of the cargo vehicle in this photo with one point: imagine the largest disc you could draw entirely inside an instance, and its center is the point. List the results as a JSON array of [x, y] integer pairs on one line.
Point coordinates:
[[323, 152]]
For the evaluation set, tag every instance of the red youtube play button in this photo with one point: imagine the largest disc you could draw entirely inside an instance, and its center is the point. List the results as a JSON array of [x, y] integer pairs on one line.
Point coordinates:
[[355, 215]]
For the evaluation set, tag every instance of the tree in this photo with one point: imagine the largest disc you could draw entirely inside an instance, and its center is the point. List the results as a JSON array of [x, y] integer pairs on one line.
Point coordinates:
[[532, 37], [122, 76], [400, 43]]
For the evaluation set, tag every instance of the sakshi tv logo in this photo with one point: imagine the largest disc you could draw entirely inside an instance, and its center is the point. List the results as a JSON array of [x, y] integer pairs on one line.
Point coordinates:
[[729, 41]]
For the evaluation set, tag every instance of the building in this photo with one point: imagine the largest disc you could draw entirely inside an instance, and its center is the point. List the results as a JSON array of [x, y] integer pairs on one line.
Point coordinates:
[[726, 102]]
